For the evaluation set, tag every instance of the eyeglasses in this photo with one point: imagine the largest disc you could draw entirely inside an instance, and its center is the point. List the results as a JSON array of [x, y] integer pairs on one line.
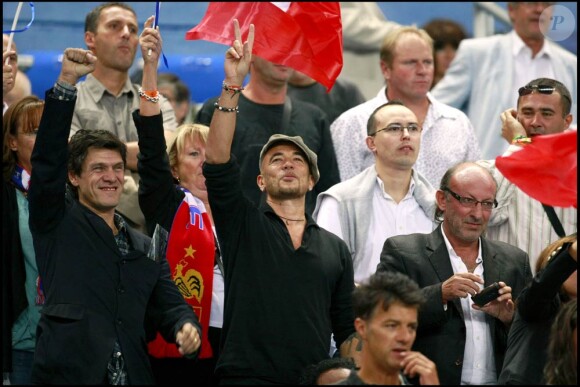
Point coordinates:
[[472, 203], [397, 129]]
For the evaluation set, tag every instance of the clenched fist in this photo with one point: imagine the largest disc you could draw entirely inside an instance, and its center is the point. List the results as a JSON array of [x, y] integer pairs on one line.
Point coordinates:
[[76, 63]]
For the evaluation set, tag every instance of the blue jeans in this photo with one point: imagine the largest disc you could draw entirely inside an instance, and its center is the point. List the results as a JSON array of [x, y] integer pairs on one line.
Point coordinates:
[[21, 367]]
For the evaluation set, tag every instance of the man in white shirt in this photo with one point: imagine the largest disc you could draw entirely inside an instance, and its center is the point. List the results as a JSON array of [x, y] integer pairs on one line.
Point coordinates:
[[388, 198], [487, 72], [407, 67]]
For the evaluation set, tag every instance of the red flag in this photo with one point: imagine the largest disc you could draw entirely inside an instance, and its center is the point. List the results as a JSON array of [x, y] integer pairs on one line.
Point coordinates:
[[546, 169], [308, 37], [191, 255]]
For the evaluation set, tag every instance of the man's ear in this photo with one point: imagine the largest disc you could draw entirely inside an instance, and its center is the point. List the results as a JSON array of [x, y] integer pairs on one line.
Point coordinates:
[[73, 178], [370, 140], [568, 121], [360, 326], [90, 40], [440, 199], [261, 184], [311, 182], [385, 70]]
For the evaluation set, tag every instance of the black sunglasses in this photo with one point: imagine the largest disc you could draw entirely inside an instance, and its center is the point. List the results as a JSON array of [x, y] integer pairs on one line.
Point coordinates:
[[542, 89]]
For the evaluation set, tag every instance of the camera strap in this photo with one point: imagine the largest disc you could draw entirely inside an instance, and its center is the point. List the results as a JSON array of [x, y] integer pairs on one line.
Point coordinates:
[[554, 220]]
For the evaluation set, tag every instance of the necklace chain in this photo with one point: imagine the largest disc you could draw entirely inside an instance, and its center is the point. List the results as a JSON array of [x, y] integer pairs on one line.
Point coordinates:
[[291, 220]]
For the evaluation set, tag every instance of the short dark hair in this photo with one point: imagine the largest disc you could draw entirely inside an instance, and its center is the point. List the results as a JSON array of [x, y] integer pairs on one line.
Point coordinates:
[[311, 373], [372, 119], [444, 32], [83, 140], [92, 18], [180, 89], [385, 289], [565, 97]]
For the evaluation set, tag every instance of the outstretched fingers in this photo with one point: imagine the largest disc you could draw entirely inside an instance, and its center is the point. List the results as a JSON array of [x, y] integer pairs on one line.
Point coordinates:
[[249, 44]]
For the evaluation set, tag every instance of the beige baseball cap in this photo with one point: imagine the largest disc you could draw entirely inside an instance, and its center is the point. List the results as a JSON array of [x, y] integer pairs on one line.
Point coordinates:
[[296, 140]]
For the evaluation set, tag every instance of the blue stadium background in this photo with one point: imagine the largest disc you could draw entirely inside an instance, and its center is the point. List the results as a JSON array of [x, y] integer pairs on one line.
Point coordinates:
[[58, 25]]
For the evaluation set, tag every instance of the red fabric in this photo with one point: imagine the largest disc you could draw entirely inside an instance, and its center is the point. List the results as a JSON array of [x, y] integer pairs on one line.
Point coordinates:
[[546, 169], [191, 255], [308, 37]]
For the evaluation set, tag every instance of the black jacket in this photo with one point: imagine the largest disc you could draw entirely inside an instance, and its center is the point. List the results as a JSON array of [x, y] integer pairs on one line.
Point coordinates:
[[441, 333], [94, 294]]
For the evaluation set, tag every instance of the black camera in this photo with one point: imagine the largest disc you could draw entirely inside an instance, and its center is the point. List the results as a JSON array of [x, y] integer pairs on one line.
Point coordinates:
[[488, 294]]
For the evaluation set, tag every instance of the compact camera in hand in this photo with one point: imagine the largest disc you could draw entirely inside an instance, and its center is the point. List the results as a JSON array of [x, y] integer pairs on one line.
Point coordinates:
[[488, 294]]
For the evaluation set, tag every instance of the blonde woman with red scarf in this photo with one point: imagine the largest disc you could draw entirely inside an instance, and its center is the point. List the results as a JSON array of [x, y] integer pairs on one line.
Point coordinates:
[[172, 195]]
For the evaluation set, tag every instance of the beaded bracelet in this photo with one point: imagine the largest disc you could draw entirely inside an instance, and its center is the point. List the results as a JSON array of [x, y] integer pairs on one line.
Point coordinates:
[[521, 140], [225, 109], [151, 96], [232, 89]]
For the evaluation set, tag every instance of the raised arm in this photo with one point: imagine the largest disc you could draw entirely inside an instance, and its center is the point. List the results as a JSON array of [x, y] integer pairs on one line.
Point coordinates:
[[158, 198], [150, 43], [49, 156], [223, 123]]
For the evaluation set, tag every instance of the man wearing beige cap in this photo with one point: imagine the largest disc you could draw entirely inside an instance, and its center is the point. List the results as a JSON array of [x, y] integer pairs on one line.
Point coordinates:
[[288, 282]]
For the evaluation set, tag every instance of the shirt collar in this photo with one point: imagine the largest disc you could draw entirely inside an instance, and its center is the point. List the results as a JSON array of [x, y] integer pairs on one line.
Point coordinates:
[[120, 223], [381, 185], [520, 48], [452, 251], [96, 89]]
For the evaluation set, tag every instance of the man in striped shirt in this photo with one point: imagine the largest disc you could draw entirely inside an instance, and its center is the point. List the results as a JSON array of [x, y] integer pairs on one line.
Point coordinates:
[[543, 108]]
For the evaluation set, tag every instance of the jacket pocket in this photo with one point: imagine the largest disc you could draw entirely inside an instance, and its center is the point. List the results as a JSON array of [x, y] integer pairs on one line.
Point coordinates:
[[64, 311]]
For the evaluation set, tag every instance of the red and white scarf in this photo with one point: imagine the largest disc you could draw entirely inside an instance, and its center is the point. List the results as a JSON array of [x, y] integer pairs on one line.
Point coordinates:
[[191, 255]]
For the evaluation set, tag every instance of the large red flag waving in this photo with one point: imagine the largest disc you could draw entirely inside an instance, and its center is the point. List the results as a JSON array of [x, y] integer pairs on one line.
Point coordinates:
[[307, 37], [546, 169]]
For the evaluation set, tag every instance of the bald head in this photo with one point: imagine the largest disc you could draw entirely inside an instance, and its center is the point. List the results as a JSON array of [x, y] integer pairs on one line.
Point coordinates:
[[473, 173]]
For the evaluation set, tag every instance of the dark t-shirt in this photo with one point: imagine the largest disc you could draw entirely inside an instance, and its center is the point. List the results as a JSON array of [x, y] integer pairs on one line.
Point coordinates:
[[343, 96], [257, 122]]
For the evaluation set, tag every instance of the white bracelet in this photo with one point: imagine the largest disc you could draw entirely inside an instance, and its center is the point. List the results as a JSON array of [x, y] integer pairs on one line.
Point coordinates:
[[154, 99]]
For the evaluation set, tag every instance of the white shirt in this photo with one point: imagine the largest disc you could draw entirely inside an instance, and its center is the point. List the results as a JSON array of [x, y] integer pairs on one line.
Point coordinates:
[[478, 359], [447, 138], [388, 219], [526, 68]]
